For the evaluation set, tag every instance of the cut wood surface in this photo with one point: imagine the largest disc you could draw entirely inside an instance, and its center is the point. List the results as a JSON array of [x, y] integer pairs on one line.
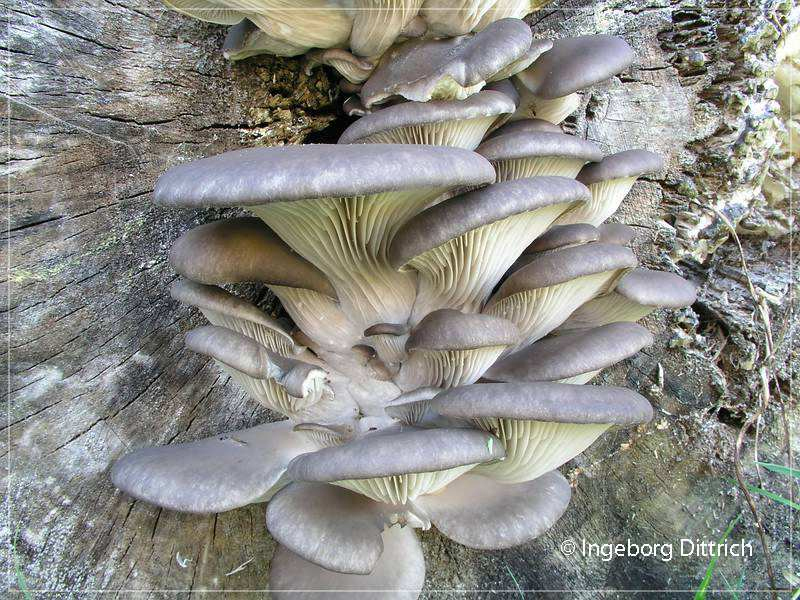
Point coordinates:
[[104, 97]]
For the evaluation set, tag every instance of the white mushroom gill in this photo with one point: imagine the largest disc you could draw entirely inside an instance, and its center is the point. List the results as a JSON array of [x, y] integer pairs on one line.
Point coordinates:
[[608, 308], [606, 198], [535, 166], [534, 447], [467, 133], [446, 368], [348, 239], [554, 110]]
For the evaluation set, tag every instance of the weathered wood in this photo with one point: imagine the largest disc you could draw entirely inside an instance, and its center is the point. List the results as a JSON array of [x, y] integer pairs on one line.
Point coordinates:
[[103, 98]]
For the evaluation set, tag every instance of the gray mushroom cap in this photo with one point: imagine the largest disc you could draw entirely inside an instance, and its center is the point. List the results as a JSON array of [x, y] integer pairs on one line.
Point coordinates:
[[243, 249], [386, 329], [572, 353], [526, 126], [460, 214], [656, 288], [478, 512], [504, 86], [561, 236], [525, 144], [630, 163], [231, 348], [414, 68], [397, 452], [399, 573], [615, 233], [215, 474], [407, 114], [544, 401], [575, 63], [448, 329], [263, 175], [567, 264]]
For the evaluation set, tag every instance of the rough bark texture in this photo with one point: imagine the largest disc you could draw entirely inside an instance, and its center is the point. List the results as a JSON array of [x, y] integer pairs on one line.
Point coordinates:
[[104, 98]]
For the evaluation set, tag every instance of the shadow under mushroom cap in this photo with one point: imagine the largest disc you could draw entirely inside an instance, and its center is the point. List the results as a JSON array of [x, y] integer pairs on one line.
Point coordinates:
[[264, 175]]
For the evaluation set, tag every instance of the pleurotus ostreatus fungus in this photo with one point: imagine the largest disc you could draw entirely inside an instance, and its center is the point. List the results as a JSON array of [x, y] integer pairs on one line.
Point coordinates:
[[548, 88], [448, 306]]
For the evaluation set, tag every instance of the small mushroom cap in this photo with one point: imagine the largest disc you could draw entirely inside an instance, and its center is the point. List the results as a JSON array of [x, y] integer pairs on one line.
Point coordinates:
[[386, 329], [572, 353], [575, 63], [561, 236], [478, 512], [614, 233], [231, 348], [414, 68], [526, 126], [335, 528], [399, 573], [215, 474], [243, 249], [525, 144], [263, 175], [397, 452], [213, 298], [630, 163], [567, 264], [406, 114], [657, 288], [460, 214], [504, 86], [544, 401], [448, 329]]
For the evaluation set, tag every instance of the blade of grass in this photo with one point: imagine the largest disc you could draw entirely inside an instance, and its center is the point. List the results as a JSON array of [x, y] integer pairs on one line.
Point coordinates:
[[780, 469], [700, 594], [22, 585], [774, 496], [514, 579]]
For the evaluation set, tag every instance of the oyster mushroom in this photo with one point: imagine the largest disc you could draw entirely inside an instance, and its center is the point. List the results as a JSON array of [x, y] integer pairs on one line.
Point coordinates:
[[389, 341], [449, 348], [353, 68], [555, 238], [526, 126], [461, 247], [459, 123], [446, 69], [610, 180], [213, 475], [521, 154], [574, 357], [615, 233], [637, 294], [542, 294], [396, 465], [482, 513], [378, 23], [548, 87], [449, 18], [244, 40], [245, 249], [338, 206], [399, 573], [541, 425]]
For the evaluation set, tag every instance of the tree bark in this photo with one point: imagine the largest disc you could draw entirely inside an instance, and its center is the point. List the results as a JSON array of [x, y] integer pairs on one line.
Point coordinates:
[[103, 98]]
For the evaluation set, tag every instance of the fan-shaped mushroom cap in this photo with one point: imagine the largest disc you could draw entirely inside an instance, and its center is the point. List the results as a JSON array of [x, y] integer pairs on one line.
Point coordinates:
[[462, 246], [226, 310], [330, 526], [532, 106], [637, 294], [394, 466], [572, 356], [244, 40], [536, 49], [389, 341], [449, 348], [412, 408], [449, 18], [526, 126], [615, 233], [610, 180], [542, 425], [336, 205], [445, 69], [459, 123], [564, 236], [354, 69], [309, 23], [541, 295], [378, 23], [243, 249], [504, 86], [212, 475], [400, 573], [480, 513], [523, 154], [352, 107], [575, 63]]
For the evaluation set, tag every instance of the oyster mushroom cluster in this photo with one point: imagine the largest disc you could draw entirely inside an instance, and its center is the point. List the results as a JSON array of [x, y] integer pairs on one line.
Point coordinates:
[[453, 288]]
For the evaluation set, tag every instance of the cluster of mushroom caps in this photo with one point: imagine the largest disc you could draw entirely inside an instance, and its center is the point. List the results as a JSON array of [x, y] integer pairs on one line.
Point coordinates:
[[453, 287]]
